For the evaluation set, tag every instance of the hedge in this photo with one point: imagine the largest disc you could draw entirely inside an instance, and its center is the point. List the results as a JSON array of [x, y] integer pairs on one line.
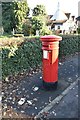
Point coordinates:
[[26, 57], [29, 55], [69, 45]]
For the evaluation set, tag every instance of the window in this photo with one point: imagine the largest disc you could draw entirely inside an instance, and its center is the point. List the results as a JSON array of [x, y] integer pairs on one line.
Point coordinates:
[[58, 27]]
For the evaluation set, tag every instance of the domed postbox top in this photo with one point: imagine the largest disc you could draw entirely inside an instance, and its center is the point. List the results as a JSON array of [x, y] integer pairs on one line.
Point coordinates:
[[50, 38]]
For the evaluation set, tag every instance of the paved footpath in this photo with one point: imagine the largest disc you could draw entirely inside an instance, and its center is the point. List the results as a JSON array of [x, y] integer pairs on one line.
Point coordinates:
[[43, 103], [63, 106]]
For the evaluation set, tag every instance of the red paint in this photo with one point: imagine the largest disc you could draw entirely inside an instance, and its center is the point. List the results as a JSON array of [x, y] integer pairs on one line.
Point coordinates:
[[50, 65]]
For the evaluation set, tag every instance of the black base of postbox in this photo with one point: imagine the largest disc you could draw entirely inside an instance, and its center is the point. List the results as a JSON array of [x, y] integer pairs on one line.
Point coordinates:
[[50, 85]]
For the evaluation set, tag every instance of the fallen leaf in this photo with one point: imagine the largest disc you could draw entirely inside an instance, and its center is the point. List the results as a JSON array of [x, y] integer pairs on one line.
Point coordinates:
[[76, 95], [22, 111], [49, 99], [0, 98], [54, 114], [40, 77], [6, 79], [21, 102], [29, 102], [35, 89], [35, 99], [23, 89], [10, 115], [10, 98], [36, 108], [60, 63], [4, 113]]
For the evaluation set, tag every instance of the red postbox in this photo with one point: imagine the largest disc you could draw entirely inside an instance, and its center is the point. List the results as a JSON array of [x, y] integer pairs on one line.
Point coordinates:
[[50, 47]]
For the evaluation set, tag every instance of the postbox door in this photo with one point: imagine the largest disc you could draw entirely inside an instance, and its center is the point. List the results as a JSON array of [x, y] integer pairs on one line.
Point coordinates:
[[50, 66], [46, 66]]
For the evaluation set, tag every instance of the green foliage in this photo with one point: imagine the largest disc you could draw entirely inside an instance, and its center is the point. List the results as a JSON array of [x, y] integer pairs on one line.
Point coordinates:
[[12, 51], [27, 27], [69, 45], [78, 30], [26, 57], [7, 13], [37, 23], [45, 31], [13, 15], [6, 35], [39, 18], [39, 10], [18, 35], [20, 13]]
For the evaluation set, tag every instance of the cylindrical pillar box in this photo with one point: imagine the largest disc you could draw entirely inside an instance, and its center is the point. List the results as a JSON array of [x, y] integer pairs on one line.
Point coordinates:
[[50, 47]]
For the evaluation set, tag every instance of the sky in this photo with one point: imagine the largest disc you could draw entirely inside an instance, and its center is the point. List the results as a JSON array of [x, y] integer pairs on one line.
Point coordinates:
[[70, 6]]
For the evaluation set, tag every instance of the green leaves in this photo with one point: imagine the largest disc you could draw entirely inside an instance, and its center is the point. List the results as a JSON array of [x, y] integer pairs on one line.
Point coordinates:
[[39, 19], [39, 10], [6, 16], [78, 30], [21, 59], [27, 27], [37, 23], [20, 13], [13, 14], [45, 31], [12, 51], [69, 45]]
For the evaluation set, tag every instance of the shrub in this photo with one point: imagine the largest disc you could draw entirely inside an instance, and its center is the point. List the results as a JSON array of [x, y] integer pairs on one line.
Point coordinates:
[[8, 42], [27, 27], [45, 31], [18, 35], [37, 23], [78, 30], [27, 56], [69, 45]]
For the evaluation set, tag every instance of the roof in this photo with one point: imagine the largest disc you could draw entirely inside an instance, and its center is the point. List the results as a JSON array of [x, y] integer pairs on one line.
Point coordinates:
[[59, 15], [78, 18], [59, 21], [49, 16]]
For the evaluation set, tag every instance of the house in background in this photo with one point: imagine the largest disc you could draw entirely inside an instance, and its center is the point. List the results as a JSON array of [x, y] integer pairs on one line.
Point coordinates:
[[62, 22], [78, 18]]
